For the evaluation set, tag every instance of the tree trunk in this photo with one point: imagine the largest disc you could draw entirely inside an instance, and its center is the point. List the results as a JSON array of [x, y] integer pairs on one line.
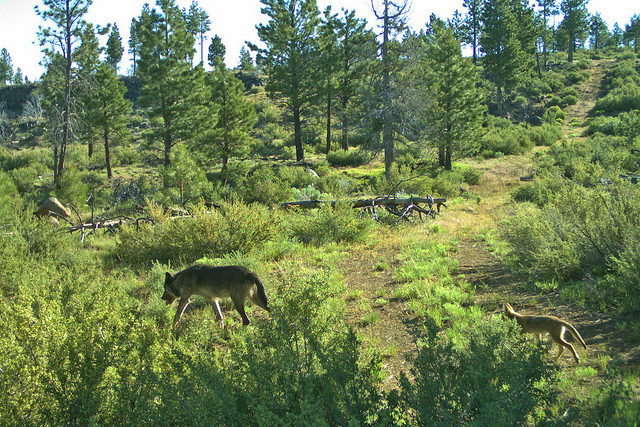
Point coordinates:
[[447, 157], [107, 153], [499, 99], [387, 121], [572, 46], [328, 121], [344, 139], [297, 133], [67, 98], [90, 145], [441, 155]]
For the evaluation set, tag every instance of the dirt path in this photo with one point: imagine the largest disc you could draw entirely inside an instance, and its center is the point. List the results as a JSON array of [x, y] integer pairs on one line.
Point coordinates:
[[590, 90]]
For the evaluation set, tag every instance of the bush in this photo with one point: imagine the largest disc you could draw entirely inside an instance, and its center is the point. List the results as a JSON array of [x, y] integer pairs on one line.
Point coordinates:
[[463, 378], [554, 115], [511, 140], [235, 227], [625, 98], [265, 187], [545, 134], [351, 157], [329, 224]]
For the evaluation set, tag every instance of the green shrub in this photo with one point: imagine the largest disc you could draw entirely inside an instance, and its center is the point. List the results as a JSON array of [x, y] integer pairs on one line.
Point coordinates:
[[554, 115], [351, 157], [304, 366], [545, 134], [625, 98], [463, 378], [265, 187], [511, 140], [471, 176], [329, 224], [235, 227]]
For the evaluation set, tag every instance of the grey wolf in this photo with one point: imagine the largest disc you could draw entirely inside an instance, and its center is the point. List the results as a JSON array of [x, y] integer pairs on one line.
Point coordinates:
[[213, 283]]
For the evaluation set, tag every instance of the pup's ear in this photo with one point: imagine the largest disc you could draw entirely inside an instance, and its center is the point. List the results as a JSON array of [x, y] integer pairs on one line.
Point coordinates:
[[168, 276]]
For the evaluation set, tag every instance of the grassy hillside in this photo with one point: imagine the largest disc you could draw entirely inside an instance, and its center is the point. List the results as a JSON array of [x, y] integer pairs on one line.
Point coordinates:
[[372, 322]]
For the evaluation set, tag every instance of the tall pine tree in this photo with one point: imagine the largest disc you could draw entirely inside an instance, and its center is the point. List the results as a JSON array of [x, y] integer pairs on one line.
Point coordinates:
[[107, 111], [503, 56], [170, 88], [290, 37], [114, 47], [235, 116], [67, 18], [455, 104], [575, 23]]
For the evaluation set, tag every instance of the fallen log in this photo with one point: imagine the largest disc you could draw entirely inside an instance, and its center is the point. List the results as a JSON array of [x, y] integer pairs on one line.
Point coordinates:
[[402, 208]]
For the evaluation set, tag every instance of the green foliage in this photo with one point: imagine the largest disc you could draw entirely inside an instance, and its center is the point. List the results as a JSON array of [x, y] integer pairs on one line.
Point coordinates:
[[503, 141], [304, 366], [329, 224], [265, 187], [578, 231], [183, 180], [235, 227], [351, 157], [554, 115], [462, 379]]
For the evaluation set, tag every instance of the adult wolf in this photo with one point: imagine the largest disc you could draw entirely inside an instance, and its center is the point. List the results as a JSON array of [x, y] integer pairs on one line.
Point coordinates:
[[233, 281], [551, 325]]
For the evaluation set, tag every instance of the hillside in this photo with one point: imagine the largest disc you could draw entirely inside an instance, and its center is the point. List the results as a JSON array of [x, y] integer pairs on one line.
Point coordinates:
[[371, 322]]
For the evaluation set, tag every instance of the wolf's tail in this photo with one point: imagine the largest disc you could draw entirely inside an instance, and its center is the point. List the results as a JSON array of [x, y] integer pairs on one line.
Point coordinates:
[[262, 299], [575, 333]]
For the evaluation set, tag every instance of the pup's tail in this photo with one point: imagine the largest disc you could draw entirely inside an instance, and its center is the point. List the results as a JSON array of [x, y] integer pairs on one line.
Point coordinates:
[[575, 333]]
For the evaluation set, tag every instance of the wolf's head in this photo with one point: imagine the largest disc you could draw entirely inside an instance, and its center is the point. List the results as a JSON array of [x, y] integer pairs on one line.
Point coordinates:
[[169, 293]]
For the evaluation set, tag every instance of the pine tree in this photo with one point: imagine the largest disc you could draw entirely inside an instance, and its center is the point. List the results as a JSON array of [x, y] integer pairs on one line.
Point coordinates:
[[6, 68], [87, 57], [217, 50], [356, 50], [289, 57], [454, 105], [198, 23], [246, 62], [169, 87], [503, 57], [575, 23], [67, 18], [114, 47], [598, 31], [632, 32], [328, 65], [107, 110], [18, 79], [235, 116], [549, 9], [134, 40], [473, 25]]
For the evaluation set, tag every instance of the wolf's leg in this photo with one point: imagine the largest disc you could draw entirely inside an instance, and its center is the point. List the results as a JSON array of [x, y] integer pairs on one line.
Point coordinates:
[[216, 306], [184, 302], [238, 302]]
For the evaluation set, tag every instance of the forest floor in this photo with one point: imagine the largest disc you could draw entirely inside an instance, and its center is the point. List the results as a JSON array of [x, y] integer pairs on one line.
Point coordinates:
[[394, 331]]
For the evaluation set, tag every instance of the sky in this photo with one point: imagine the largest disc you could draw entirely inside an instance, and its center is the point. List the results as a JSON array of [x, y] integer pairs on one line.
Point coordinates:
[[234, 21]]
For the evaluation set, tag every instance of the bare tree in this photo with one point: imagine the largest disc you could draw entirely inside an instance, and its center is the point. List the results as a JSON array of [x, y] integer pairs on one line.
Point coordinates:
[[393, 17]]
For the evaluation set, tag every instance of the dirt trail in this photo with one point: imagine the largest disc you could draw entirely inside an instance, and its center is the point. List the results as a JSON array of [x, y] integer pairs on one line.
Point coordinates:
[[590, 90], [390, 326]]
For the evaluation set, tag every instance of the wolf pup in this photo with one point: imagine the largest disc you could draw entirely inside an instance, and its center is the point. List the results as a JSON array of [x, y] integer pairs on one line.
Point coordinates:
[[213, 283], [551, 325]]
